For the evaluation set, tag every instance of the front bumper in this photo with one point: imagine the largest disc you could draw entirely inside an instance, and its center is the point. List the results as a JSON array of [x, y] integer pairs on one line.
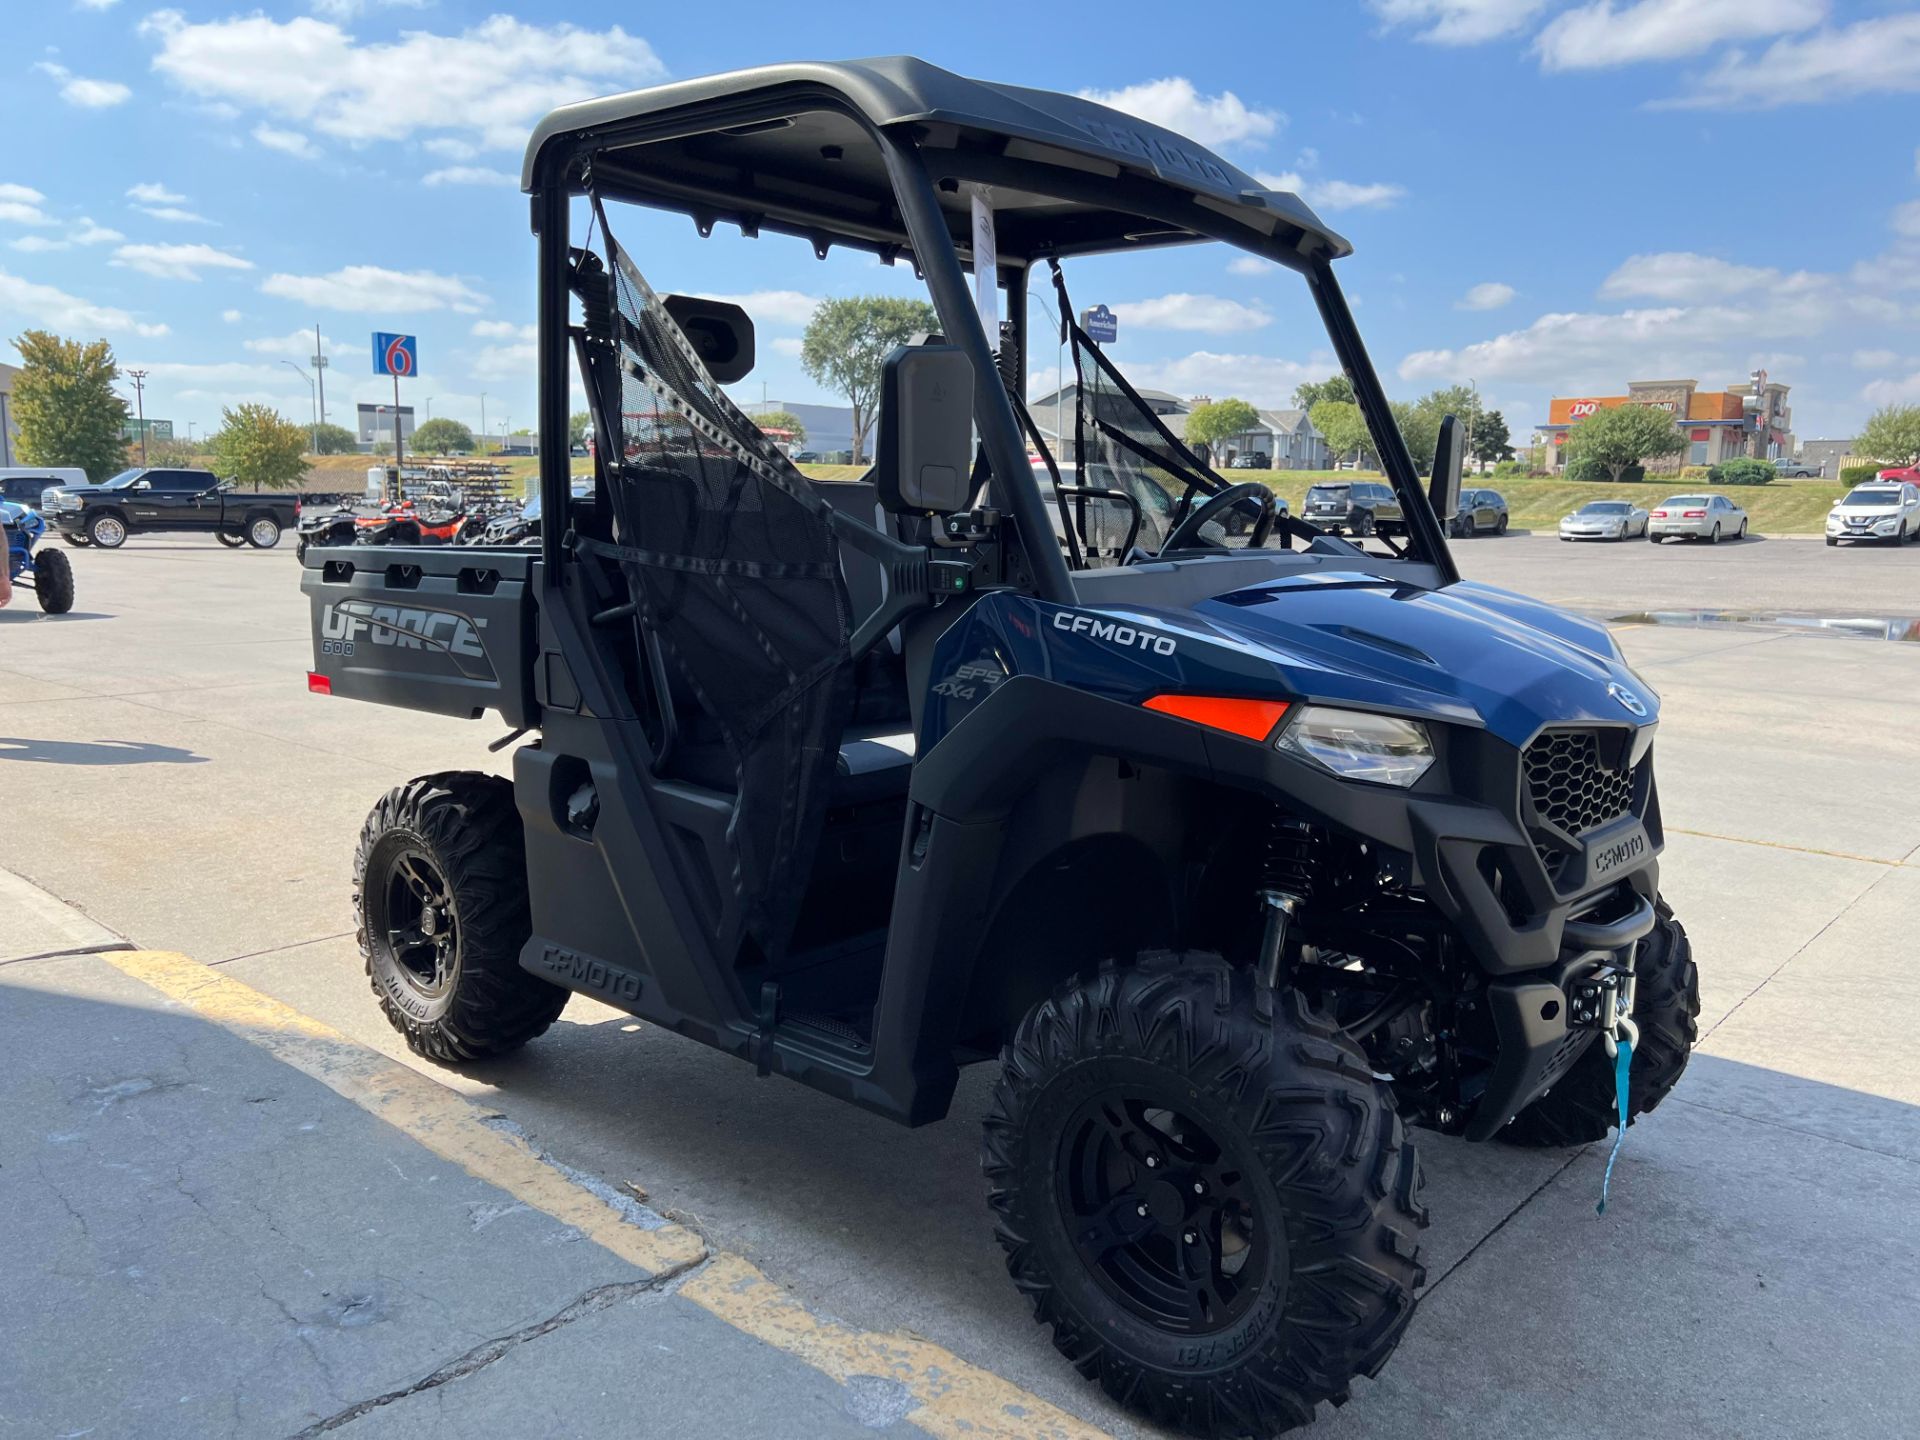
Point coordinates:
[[1568, 533], [1887, 530]]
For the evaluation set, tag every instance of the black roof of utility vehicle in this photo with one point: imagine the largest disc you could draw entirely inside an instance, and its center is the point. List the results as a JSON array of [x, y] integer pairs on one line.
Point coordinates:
[[802, 170]]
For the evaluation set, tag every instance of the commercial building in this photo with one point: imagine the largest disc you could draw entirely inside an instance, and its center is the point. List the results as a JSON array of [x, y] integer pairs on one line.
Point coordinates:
[[375, 423], [1053, 416], [1829, 455], [1741, 420]]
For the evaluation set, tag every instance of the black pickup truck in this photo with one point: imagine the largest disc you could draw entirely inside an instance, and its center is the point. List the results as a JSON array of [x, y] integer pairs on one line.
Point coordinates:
[[156, 499]]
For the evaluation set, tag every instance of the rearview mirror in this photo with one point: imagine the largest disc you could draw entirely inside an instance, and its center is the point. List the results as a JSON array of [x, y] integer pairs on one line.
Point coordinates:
[[925, 450], [1449, 459]]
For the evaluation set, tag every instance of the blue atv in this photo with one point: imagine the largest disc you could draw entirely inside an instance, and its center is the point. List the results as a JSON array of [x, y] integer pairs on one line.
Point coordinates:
[[49, 572], [1237, 848]]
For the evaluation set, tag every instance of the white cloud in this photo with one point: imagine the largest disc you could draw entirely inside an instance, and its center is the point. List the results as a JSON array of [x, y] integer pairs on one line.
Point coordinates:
[[1904, 390], [504, 330], [1874, 359], [1331, 194], [94, 4], [774, 307], [1223, 119], [1682, 276], [1488, 295], [1264, 380], [788, 345], [1249, 265], [232, 317], [1906, 220], [486, 84], [173, 214], [450, 147], [1867, 57], [85, 93], [349, 9], [44, 305], [1209, 314], [1604, 33], [297, 346], [370, 289], [40, 244], [20, 205], [513, 359], [149, 192], [470, 175], [1458, 22], [177, 262], [289, 142], [90, 233]]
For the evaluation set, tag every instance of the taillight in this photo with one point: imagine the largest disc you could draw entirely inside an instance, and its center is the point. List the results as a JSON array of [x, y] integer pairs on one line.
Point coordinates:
[[1693, 514], [1250, 719], [319, 684], [1659, 514]]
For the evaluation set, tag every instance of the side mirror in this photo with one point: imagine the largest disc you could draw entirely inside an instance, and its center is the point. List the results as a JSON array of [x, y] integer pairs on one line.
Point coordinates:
[[925, 450], [1449, 459], [141, 485], [721, 334]]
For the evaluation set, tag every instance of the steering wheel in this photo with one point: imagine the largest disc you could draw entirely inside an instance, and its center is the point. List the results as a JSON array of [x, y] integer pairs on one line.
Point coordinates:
[[1186, 531]]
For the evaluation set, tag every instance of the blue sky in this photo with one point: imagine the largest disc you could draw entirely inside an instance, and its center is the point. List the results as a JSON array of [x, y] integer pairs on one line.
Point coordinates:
[[1546, 196]]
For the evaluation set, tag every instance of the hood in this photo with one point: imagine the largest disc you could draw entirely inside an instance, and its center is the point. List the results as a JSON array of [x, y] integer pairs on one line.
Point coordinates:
[[1468, 654], [1865, 512]]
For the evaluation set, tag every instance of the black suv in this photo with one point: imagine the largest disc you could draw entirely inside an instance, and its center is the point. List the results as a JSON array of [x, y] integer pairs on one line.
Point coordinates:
[[1360, 507]]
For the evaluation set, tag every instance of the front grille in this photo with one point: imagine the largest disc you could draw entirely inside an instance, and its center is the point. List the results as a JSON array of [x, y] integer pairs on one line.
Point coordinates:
[[1573, 790]]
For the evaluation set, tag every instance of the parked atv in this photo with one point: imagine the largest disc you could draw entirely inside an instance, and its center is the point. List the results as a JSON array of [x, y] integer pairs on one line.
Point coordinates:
[[48, 572], [1239, 857]]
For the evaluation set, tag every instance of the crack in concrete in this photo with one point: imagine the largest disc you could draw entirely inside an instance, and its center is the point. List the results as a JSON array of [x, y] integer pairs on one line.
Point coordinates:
[[592, 1302], [1505, 1220]]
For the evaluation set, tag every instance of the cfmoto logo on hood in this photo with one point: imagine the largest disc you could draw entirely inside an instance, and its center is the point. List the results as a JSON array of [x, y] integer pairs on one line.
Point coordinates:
[[1629, 701]]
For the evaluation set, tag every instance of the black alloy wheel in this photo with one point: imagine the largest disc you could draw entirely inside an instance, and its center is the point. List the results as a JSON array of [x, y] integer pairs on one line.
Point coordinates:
[[411, 915]]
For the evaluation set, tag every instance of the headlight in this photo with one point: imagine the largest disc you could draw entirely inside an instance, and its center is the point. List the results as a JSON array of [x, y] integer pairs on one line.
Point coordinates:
[[1359, 745]]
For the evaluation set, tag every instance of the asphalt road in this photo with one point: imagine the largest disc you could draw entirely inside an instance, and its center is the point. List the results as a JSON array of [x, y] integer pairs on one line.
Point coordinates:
[[165, 770]]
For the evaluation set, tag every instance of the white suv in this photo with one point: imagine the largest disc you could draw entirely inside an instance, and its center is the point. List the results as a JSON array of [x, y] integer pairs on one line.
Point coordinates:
[[1887, 511]]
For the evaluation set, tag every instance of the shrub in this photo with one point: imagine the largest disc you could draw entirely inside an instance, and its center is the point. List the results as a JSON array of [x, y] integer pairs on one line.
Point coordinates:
[[1742, 471], [1860, 474], [1694, 474], [1585, 471], [1509, 469]]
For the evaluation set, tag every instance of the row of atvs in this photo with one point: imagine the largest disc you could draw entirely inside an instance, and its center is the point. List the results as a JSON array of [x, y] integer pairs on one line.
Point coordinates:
[[402, 522]]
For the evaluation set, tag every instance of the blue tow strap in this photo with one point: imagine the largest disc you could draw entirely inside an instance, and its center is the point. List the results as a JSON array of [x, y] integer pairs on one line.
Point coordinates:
[[1622, 1063]]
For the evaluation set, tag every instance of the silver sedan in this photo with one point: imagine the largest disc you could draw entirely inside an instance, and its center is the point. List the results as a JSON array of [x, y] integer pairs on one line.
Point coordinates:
[[1712, 518], [1604, 520]]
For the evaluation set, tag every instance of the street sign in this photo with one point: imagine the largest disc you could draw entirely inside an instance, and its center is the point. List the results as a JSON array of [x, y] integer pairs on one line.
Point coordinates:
[[396, 355], [1101, 324]]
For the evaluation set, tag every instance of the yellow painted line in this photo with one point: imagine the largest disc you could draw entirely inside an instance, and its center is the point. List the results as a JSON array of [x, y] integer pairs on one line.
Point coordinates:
[[446, 1123], [955, 1399]]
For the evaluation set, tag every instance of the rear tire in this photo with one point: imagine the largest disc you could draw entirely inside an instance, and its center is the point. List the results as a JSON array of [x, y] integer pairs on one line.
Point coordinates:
[[53, 581], [1277, 1258], [263, 532], [1362, 524], [1501, 528], [440, 907], [1582, 1108]]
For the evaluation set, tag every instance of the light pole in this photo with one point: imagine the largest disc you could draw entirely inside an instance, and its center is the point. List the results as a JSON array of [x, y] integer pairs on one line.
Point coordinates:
[[139, 378], [6, 434], [483, 417], [320, 369], [190, 425], [429, 407], [313, 434]]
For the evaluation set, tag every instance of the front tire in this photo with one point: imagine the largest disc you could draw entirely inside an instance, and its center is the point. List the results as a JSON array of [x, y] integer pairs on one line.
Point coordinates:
[[1582, 1108], [53, 581], [1276, 1258], [109, 532], [440, 906]]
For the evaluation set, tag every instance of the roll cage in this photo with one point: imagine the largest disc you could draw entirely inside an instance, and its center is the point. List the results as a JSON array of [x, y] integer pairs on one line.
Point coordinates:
[[878, 156]]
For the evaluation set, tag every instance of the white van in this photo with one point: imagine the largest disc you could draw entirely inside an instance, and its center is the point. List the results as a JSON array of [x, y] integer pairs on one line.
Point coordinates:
[[25, 484]]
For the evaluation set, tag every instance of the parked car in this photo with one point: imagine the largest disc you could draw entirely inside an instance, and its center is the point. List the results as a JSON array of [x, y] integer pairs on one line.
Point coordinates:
[[1360, 508], [1604, 520], [1901, 474], [1788, 469], [156, 499], [1480, 512], [24, 484], [1889, 513], [1697, 517], [1252, 460]]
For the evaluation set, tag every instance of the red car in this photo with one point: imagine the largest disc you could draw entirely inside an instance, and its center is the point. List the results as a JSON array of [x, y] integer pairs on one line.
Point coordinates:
[[1910, 474]]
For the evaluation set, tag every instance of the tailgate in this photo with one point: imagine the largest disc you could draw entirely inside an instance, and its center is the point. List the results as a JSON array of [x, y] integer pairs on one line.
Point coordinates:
[[437, 628]]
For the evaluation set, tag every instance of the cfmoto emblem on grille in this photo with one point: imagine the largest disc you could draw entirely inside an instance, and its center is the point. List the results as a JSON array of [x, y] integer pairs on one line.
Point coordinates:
[[1632, 703]]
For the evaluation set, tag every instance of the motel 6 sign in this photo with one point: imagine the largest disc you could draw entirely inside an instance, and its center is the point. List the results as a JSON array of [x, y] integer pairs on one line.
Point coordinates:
[[396, 355]]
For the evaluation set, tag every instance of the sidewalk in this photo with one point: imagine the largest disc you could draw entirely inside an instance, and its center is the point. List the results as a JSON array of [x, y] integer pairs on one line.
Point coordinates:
[[226, 1219]]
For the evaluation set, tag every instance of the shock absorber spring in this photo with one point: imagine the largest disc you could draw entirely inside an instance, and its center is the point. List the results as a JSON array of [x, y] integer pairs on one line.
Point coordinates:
[[1292, 858]]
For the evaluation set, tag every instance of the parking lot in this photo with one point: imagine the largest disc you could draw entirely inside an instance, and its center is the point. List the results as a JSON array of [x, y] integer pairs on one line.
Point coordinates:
[[165, 771]]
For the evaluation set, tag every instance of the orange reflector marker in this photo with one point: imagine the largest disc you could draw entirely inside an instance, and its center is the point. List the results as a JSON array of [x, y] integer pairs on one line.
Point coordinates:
[[319, 684], [1253, 719]]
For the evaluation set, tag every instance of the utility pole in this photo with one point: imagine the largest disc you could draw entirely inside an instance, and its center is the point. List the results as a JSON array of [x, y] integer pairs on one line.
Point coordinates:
[[429, 407], [314, 434], [139, 378], [6, 433], [320, 369], [483, 417]]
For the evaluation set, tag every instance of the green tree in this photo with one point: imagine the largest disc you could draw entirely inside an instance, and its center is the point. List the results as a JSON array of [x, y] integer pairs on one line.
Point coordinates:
[[1492, 441], [64, 404], [579, 426], [1891, 435], [334, 440], [1343, 427], [1220, 420], [442, 436], [258, 448], [1419, 426], [784, 420], [847, 341], [1309, 393], [1624, 435]]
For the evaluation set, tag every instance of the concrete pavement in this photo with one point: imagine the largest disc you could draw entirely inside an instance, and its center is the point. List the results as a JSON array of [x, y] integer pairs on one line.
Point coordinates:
[[1752, 1276]]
